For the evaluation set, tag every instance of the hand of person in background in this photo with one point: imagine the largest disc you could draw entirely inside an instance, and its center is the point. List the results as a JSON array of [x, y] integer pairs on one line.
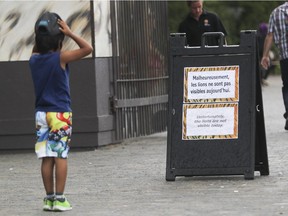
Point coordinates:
[[265, 62]]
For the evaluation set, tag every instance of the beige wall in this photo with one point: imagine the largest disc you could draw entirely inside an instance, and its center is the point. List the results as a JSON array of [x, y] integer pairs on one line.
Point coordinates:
[[17, 20], [103, 44]]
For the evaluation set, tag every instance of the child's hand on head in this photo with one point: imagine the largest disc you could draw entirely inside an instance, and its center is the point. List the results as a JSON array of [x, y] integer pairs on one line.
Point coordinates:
[[64, 27]]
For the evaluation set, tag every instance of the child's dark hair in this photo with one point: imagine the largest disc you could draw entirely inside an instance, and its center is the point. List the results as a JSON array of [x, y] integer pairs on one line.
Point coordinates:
[[46, 43]]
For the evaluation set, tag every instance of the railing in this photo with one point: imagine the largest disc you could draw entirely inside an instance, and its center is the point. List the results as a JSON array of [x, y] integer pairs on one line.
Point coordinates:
[[140, 67]]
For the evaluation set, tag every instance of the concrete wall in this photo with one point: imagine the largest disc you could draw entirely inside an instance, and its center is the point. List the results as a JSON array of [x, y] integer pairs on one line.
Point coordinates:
[[92, 121], [16, 105], [90, 77]]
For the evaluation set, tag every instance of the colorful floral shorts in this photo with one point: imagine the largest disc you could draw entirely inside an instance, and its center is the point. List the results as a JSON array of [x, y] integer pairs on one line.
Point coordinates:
[[53, 130]]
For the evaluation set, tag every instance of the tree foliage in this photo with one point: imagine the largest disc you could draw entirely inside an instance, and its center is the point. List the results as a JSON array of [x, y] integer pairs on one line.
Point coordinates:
[[235, 15]]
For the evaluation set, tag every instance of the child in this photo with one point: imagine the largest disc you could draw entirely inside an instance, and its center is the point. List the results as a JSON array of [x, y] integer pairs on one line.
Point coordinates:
[[50, 74]]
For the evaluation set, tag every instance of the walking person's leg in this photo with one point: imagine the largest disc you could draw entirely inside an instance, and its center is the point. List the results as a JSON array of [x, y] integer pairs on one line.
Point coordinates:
[[284, 76]]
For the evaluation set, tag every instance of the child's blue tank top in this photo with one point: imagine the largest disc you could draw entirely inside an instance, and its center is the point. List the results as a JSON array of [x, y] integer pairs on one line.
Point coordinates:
[[51, 83]]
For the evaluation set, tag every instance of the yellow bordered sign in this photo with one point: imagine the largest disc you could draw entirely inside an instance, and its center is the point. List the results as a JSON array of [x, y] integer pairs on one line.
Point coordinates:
[[211, 84]]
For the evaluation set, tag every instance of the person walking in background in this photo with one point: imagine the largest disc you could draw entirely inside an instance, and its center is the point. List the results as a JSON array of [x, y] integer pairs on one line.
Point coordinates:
[[53, 114], [199, 21], [261, 35], [277, 32]]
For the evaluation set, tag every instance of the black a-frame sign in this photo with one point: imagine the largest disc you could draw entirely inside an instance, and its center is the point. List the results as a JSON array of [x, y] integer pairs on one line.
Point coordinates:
[[261, 155], [215, 119]]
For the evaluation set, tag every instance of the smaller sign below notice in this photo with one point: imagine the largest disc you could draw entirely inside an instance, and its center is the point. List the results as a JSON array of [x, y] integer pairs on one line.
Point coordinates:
[[211, 84], [210, 121]]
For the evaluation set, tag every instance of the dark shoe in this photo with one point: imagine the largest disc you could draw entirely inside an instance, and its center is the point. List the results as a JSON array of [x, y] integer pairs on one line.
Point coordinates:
[[286, 124]]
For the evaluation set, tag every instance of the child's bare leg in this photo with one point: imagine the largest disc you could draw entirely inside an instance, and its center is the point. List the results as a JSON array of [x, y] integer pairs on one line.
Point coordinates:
[[61, 174], [47, 169]]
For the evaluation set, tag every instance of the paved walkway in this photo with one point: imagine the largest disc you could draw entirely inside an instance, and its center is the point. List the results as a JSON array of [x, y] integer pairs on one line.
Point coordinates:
[[128, 179]]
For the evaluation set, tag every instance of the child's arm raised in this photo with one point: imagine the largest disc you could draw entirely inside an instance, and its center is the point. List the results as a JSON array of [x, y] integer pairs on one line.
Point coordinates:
[[72, 55]]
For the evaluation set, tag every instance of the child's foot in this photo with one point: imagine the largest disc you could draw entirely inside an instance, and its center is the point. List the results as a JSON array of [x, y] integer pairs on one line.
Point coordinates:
[[61, 204], [48, 204]]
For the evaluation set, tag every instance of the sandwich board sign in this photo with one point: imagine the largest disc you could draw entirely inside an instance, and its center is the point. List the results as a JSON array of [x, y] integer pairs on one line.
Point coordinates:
[[215, 118]]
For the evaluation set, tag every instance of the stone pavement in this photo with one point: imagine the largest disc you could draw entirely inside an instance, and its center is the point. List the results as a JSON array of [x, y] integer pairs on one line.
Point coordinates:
[[128, 179]]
